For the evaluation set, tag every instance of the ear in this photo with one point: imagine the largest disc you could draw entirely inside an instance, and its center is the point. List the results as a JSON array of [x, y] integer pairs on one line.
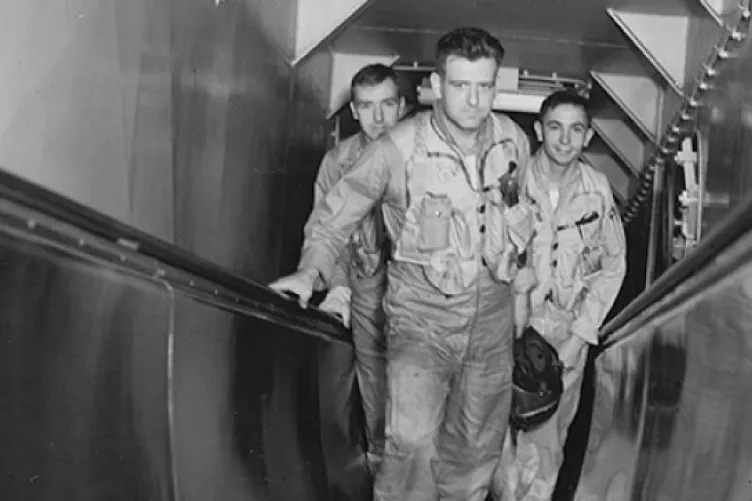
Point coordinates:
[[354, 111], [402, 110], [538, 130], [436, 84], [588, 138]]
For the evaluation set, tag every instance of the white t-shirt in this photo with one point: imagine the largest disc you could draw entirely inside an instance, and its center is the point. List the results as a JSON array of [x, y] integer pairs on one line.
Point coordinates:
[[553, 195]]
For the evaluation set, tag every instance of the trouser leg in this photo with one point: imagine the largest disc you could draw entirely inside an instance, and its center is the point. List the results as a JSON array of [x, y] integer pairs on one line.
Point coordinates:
[[417, 388], [529, 472], [370, 355], [336, 385], [341, 435], [477, 412]]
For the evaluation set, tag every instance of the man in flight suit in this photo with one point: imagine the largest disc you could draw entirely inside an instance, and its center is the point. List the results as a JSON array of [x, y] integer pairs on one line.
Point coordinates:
[[357, 286], [452, 279], [579, 259]]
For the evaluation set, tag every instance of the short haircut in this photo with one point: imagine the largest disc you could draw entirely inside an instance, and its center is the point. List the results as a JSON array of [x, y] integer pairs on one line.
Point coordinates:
[[372, 75], [469, 43], [561, 97]]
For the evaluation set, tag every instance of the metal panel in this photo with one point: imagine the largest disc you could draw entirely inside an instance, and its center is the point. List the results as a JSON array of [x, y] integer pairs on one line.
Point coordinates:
[[279, 19], [721, 10], [170, 116], [628, 144], [600, 156], [554, 19], [317, 20], [245, 405], [230, 110], [86, 103], [726, 124], [249, 401], [661, 38], [703, 35], [120, 385], [83, 399], [309, 136], [672, 417], [537, 53], [633, 88]]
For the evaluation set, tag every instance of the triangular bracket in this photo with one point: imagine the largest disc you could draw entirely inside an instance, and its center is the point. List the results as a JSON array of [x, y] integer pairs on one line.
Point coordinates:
[[661, 38]]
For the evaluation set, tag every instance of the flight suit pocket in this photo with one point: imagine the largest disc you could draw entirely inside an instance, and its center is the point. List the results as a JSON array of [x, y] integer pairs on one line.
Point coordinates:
[[436, 214], [591, 260], [591, 246]]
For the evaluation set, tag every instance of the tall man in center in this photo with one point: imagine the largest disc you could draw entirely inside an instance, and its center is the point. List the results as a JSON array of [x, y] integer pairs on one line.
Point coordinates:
[[453, 278]]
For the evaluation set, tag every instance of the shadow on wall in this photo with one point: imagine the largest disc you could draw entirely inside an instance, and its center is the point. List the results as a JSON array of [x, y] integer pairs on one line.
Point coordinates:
[[246, 135]]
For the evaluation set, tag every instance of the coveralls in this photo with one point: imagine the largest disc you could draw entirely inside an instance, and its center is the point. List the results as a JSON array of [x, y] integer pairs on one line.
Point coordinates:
[[360, 268], [448, 302], [579, 258]]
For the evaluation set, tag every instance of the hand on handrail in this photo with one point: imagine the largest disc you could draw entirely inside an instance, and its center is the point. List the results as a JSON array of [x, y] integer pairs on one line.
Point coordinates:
[[298, 285]]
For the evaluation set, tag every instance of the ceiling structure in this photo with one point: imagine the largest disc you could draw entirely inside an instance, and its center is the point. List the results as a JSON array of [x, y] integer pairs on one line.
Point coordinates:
[[539, 35], [642, 59]]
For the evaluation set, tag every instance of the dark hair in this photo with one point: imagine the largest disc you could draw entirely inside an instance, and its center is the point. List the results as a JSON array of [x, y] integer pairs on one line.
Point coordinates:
[[371, 75], [469, 43], [566, 96]]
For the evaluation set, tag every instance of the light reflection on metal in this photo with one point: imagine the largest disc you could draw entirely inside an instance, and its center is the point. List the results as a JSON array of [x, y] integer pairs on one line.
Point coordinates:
[[669, 395]]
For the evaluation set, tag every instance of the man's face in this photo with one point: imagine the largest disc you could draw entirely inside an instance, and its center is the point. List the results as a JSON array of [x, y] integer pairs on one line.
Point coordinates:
[[564, 133], [467, 90], [377, 107]]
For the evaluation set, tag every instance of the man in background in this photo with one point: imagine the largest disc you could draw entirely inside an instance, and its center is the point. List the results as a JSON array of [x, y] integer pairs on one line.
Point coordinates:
[[356, 289]]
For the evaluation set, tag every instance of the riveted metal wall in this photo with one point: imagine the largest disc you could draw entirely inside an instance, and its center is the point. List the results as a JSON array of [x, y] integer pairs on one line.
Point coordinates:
[[126, 377], [671, 414]]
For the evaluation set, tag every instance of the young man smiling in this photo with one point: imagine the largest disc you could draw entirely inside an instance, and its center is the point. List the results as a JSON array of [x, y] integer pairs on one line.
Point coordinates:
[[452, 278], [579, 255]]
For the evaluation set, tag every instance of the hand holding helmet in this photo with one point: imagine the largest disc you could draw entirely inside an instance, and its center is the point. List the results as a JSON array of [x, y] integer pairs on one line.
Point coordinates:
[[536, 381]]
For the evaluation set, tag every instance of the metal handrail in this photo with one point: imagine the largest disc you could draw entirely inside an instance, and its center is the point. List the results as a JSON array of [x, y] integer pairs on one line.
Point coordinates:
[[737, 224], [203, 279]]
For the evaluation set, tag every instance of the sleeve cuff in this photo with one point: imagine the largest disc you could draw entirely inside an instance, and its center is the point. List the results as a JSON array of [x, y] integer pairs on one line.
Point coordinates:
[[309, 261]]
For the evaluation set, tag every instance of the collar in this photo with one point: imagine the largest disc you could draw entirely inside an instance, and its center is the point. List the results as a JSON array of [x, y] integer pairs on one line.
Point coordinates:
[[355, 145], [483, 141], [363, 140], [536, 168]]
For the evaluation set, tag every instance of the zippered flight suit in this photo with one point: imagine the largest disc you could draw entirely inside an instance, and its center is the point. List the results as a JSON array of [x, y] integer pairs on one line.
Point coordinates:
[[579, 256], [449, 296]]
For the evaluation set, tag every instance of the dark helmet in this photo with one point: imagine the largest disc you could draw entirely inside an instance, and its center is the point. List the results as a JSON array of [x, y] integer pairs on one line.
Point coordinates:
[[536, 381]]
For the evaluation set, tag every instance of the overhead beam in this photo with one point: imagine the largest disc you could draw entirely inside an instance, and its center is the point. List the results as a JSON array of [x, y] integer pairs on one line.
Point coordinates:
[[317, 20], [298, 27], [661, 38]]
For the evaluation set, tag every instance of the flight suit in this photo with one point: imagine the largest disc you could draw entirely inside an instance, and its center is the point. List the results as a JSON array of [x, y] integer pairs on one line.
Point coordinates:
[[449, 297], [579, 259], [360, 268]]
